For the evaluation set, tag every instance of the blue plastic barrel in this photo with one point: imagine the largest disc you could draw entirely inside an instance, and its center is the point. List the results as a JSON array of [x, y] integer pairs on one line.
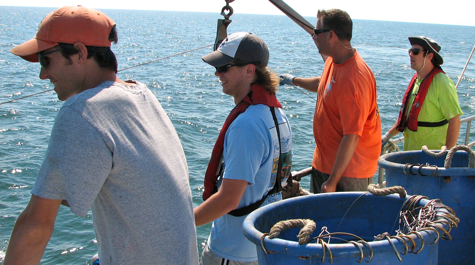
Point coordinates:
[[420, 173], [358, 213]]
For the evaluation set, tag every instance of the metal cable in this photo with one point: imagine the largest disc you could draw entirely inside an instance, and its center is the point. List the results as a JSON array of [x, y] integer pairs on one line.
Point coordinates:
[[127, 68]]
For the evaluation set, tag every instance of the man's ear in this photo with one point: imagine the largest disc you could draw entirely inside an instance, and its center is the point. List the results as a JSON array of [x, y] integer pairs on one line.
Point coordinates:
[[430, 56], [331, 35], [82, 52]]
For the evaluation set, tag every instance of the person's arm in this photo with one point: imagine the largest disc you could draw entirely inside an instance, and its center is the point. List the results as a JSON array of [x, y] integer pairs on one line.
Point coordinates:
[[222, 202], [452, 132], [390, 134], [32, 231], [309, 83], [394, 131], [345, 153]]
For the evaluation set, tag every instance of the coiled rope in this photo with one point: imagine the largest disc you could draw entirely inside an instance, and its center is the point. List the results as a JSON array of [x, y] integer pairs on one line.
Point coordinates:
[[156, 60], [413, 220]]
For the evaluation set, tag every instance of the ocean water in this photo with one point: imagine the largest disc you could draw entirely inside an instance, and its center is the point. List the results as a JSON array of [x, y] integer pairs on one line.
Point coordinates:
[[191, 94]]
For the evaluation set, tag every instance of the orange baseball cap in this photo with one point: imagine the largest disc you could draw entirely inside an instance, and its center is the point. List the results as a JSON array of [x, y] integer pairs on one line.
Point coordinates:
[[69, 24]]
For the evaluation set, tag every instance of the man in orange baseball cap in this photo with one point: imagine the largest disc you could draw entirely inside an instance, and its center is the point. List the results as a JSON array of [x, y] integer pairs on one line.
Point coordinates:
[[112, 149], [70, 30], [68, 25]]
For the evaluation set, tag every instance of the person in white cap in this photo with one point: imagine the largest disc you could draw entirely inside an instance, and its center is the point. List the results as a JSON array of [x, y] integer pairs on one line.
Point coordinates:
[[430, 111], [112, 149], [346, 125], [253, 153]]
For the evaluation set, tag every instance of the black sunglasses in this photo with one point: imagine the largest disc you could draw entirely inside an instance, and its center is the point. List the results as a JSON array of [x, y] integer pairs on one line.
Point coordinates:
[[415, 51], [44, 61], [224, 68], [318, 31]]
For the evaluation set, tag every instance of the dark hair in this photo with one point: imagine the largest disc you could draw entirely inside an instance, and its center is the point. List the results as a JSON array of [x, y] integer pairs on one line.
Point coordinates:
[[267, 78], [337, 20], [102, 55]]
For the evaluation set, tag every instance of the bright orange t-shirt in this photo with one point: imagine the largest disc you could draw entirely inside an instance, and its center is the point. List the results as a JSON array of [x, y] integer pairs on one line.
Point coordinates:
[[347, 104]]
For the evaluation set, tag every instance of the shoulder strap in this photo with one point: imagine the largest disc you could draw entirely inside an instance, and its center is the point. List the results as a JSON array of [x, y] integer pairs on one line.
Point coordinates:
[[257, 95], [277, 186], [402, 121], [278, 178]]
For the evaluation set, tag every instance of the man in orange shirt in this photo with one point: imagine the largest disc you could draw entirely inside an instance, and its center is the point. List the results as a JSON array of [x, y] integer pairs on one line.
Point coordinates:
[[346, 125]]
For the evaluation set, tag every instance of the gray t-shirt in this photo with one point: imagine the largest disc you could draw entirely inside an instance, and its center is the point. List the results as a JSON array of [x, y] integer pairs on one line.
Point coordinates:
[[113, 148]]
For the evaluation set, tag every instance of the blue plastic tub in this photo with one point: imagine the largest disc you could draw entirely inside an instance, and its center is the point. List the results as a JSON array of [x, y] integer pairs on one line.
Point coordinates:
[[455, 186], [362, 214]]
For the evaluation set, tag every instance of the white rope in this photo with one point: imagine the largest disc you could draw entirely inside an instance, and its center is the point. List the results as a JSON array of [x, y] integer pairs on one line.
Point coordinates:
[[471, 154], [443, 151], [308, 226]]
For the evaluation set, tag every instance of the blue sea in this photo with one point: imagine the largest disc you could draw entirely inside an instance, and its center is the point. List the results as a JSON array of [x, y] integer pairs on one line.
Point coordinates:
[[191, 94]]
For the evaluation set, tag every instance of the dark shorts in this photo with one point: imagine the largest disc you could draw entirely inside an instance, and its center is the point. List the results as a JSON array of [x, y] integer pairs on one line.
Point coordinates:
[[345, 183]]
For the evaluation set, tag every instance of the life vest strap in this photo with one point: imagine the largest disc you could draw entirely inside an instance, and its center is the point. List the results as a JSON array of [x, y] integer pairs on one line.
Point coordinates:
[[431, 124], [278, 179]]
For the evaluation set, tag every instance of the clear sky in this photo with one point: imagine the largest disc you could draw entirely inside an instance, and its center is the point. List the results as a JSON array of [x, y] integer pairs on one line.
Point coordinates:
[[455, 12]]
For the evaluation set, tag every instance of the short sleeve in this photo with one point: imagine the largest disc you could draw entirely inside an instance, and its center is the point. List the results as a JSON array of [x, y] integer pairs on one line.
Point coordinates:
[[448, 98], [76, 164], [244, 152]]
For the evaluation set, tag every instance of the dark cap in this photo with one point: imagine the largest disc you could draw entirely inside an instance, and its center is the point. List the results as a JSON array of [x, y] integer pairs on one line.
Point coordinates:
[[243, 47], [428, 44]]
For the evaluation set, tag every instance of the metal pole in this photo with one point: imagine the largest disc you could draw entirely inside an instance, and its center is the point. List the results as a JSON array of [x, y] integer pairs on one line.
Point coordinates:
[[461, 75]]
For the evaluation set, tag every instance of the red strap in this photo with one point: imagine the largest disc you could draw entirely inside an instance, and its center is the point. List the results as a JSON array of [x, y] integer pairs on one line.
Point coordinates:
[[257, 95], [411, 121]]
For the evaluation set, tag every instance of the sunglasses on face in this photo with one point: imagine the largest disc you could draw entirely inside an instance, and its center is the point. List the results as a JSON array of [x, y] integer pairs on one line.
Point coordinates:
[[416, 51], [224, 68], [318, 31], [44, 61]]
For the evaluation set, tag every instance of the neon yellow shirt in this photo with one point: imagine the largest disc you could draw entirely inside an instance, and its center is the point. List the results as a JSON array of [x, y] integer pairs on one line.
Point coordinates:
[[440, 103]]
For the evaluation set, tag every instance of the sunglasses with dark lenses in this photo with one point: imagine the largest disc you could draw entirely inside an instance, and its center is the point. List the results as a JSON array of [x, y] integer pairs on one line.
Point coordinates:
[[318, 31], [44, 61], [416, 51], [224, 68]]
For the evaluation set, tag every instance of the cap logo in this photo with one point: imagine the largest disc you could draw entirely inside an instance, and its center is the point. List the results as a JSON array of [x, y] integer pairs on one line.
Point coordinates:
[[230, 45]]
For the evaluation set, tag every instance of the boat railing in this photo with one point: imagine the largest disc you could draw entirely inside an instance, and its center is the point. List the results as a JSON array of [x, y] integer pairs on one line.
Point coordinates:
[[297, 175], [466, 137]]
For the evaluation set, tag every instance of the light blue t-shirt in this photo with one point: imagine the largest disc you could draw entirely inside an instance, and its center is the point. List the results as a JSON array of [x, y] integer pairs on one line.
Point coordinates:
[[251, 149]]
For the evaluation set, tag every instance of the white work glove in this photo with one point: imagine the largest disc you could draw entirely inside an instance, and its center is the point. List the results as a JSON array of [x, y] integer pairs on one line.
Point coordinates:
[[286, 79]]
